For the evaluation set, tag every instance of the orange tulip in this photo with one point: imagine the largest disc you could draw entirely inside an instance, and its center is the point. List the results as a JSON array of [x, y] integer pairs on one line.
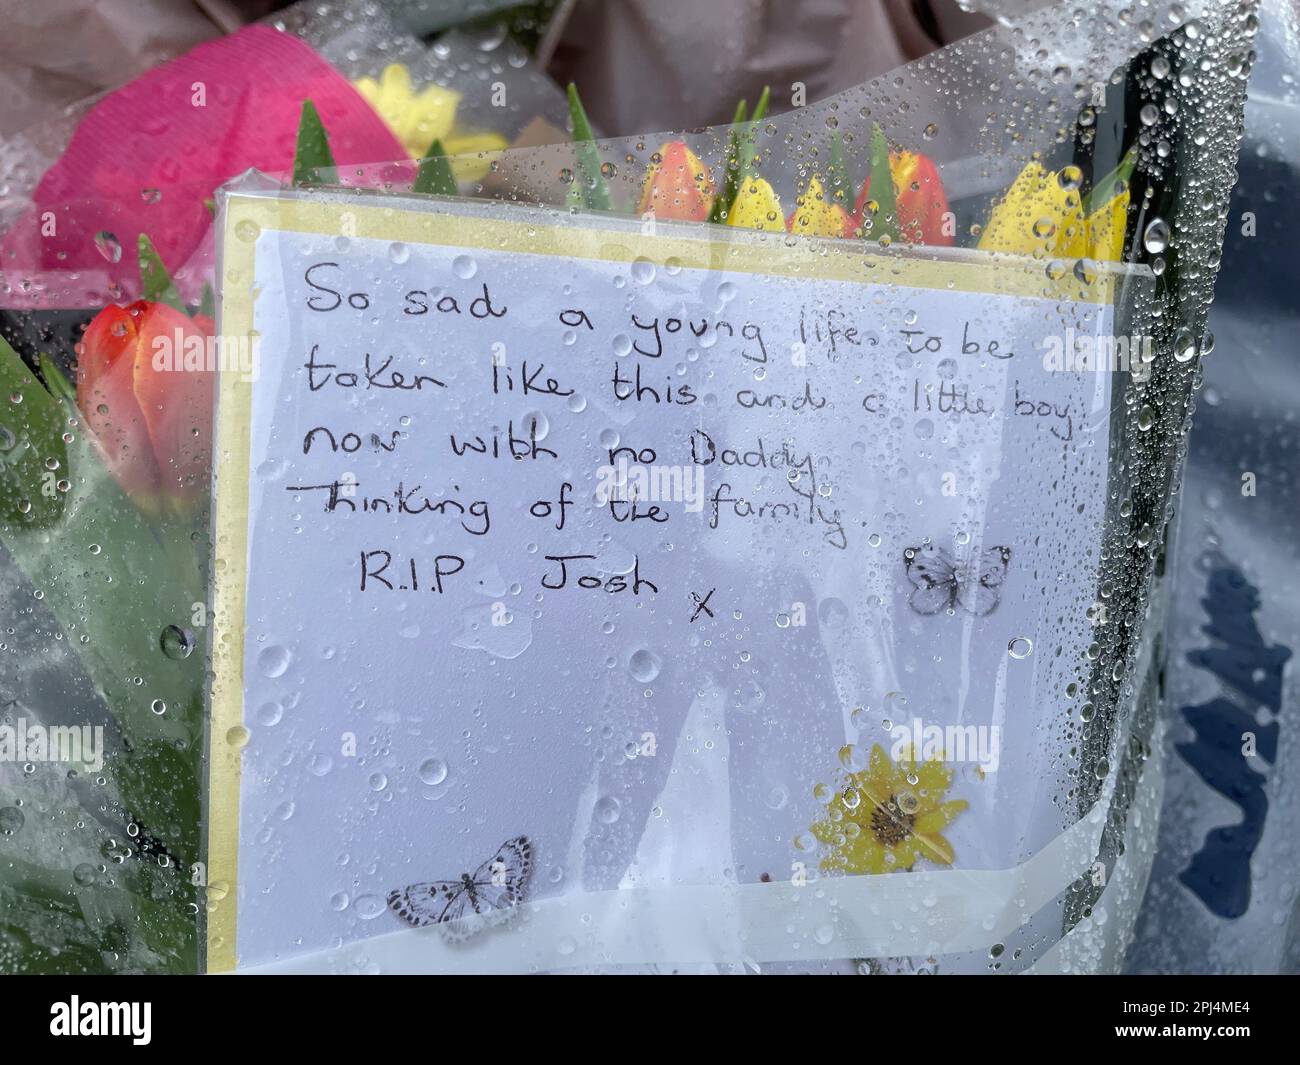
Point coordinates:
[[678, 186], [922, 204], [144, 386]]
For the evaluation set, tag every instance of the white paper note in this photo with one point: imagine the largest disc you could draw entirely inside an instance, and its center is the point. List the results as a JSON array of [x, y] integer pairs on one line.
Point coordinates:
[[455, 635]]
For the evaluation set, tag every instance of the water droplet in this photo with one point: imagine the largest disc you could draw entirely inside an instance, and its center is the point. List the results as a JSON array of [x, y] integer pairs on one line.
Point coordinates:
[[368, 907], [645, 665], [538, 425], [433, 771], [608, 809], [464, 266], [108, 246], [176, 643], [270, 713], [1155, 238], [84, 874], [1020, 647], [274, 661], [399, 252]]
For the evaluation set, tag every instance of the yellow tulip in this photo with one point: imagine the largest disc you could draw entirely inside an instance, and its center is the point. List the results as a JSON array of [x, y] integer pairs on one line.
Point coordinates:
[[418, 119], [1041, 216], [816, 216], [756, 206]]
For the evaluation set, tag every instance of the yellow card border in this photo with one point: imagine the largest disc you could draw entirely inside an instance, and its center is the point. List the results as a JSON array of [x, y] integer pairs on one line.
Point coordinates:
[[488, 227]]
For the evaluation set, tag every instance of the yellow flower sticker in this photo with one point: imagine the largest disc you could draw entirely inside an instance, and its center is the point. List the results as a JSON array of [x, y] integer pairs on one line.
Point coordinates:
[[417, 119], [887, 816]]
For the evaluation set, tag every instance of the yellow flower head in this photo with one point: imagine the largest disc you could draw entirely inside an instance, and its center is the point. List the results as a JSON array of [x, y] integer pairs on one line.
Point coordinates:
[[1042, 215], [815, 215], [887, 816], [418, 119], [756, 206]]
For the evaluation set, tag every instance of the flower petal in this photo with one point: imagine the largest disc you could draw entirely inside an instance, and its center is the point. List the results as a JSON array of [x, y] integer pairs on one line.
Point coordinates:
[[106, 397], [175, 398], [937, 819], [936, 848]]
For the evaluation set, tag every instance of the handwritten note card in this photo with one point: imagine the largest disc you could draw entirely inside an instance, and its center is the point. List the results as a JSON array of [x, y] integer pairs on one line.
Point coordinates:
[[541, 527]]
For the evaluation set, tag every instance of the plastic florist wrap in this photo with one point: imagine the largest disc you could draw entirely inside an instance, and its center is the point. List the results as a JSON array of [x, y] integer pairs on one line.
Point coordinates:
[[747, 562]]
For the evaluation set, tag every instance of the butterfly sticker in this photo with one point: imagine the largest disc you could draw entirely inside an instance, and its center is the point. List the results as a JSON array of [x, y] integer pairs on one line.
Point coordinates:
[[940, 582], [462, 908]]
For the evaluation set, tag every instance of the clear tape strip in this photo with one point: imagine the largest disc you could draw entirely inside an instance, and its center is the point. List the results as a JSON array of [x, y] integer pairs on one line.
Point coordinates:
[[938, 911]]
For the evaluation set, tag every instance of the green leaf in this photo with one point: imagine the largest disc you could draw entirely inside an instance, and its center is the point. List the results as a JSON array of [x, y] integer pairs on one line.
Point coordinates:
[[155, 281], [435, 176], [135, 920], [839, 188], [73, 545], [726, 196], [1108, 187], [312, 157], [56, 381], [591, 187], [208, 304], [885, 221], [747, 143], [31, 435]]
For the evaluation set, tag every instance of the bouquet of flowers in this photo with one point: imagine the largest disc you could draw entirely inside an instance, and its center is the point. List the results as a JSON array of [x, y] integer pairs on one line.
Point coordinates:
[[106, 443]]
